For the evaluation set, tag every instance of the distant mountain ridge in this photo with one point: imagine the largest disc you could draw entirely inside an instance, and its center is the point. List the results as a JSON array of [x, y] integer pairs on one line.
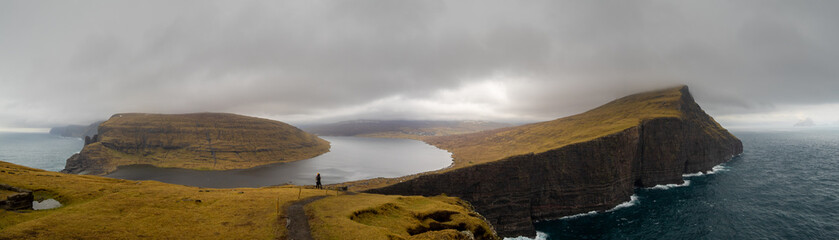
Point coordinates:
[[77, 131], [402, 128]]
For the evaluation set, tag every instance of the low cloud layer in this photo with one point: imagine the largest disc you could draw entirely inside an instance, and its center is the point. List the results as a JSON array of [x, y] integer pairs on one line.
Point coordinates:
[[316, 61]]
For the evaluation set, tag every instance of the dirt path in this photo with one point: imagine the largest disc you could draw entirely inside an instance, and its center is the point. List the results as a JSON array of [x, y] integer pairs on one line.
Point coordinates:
[[298, 222]]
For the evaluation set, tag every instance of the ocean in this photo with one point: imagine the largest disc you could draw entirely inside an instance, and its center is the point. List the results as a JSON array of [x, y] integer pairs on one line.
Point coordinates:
[[38, 150], [785, 185]]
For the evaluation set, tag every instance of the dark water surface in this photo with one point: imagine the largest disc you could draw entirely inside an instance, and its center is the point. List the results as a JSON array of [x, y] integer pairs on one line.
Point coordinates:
[[785, 185], [349, 159]]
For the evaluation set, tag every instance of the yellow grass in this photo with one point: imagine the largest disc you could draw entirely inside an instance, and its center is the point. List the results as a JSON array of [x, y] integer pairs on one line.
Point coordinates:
[[6, 193], [370, 216], [105, 208], [616, 116]]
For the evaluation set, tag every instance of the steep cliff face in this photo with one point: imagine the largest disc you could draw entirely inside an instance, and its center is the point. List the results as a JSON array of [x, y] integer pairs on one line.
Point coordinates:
[[571, 171], [209, 141]]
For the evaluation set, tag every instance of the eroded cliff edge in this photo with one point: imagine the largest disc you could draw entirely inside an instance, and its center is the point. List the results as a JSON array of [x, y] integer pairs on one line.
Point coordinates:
[[587, 162], [206, 141]]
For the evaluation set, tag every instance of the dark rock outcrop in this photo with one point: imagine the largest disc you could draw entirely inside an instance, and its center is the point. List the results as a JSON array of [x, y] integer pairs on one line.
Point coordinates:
[[594, 175], [19, 199], [206, 141]]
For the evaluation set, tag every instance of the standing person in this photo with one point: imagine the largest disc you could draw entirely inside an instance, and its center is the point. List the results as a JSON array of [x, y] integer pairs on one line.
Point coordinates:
[[317, 182]]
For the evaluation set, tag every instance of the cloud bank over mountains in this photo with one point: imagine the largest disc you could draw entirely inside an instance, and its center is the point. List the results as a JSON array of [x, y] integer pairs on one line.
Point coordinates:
[[746, 62]]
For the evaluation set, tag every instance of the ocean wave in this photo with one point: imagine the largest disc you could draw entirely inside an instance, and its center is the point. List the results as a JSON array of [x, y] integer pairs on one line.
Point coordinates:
[[632, 201], [539, 236], [715, 169], [669, 186], [579, 215]]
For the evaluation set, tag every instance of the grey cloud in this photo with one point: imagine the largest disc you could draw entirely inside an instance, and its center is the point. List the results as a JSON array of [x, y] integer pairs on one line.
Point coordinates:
[[309, 58]]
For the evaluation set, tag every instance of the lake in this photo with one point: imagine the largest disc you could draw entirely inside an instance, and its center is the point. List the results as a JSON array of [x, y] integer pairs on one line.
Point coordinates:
[[349, 159]]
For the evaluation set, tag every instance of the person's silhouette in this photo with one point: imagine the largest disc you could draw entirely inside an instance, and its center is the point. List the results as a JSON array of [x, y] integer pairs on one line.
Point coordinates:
[[317, 182]]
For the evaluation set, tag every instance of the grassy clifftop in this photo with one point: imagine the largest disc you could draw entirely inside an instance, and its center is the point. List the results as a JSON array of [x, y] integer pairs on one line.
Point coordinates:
[[610, 118], [104, 208], [204, 141]]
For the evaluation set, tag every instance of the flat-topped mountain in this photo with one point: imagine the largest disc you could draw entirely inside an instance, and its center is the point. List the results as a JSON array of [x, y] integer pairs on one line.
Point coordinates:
[[206, 141], [587, 162], [414, 129]]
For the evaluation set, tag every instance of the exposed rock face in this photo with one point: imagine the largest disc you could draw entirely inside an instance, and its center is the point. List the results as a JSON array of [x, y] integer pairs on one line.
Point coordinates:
[[593, 175], [208, 141], [18, 199], [77, 131]]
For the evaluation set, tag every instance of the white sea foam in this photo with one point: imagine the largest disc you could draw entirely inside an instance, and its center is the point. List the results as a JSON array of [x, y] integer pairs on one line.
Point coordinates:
[[579, 215], [539, 236], [715, 169], [669, 186], [632, 201]]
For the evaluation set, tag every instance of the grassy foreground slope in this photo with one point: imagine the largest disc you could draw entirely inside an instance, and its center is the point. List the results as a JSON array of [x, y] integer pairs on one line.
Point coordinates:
[[104, 208], [371, 216], [204, 141]]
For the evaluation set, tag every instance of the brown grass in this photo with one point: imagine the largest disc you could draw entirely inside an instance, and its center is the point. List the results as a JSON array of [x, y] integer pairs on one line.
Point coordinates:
[[203, 141], [370, 216], [613, 117], [105, 208]]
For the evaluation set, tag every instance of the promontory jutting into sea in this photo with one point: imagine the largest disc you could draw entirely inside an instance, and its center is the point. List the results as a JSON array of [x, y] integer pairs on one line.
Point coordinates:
[[385, 120]]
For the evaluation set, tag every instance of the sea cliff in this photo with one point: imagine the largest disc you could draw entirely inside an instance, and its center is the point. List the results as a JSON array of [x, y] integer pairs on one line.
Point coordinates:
[[205, 141], [587, 162]]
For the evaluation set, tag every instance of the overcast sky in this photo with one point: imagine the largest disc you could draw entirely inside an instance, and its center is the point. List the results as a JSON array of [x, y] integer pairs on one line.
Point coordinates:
[[748, 63]]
